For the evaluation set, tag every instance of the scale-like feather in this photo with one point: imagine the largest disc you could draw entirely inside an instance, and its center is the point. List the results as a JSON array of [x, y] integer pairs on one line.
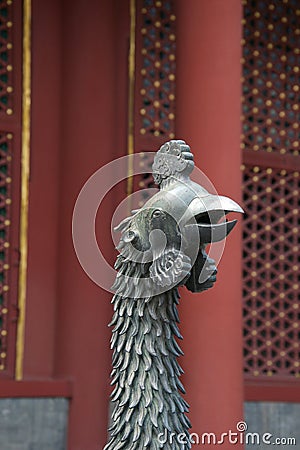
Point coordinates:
[[145, 370]]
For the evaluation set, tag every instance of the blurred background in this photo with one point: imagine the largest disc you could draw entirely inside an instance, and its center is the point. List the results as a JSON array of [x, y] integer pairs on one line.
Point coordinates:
[[82, 83]]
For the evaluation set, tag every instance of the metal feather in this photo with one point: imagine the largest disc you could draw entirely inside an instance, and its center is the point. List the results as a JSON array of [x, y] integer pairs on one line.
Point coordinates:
[[145, 370]]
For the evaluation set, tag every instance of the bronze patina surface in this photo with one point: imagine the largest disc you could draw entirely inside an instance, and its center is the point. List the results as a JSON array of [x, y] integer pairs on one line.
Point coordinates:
[[162, 247]]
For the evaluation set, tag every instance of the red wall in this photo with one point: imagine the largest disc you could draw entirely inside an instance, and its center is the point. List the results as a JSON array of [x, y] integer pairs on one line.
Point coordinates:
[[79, 113], [44, 190], [208, 118], [79, 117]]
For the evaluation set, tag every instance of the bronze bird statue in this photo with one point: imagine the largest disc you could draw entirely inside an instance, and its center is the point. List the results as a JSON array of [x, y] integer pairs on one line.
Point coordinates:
[[162, 247]]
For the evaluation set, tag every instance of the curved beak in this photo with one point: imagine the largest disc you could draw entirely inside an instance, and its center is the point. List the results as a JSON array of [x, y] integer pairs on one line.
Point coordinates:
[[207, 211], [213, 203], [211, 232]]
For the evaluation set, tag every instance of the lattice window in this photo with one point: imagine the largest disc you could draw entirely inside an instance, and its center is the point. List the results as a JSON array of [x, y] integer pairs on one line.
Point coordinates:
[[271, 271], [10, 150], [6, 56], [154, 101], [157, 71], [5, 214], [271, 76], [271, 88]]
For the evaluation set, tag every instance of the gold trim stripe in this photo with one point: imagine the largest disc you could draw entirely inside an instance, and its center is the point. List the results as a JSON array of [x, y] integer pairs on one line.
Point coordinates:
[[131, 76], [25, 164]]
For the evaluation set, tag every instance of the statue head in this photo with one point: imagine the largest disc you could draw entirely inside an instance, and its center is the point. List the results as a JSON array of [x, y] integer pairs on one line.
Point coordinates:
[[169, 234], [173, 159]]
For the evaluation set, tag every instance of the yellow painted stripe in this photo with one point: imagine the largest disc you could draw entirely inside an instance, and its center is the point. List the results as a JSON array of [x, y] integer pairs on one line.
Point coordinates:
[[25, 162]]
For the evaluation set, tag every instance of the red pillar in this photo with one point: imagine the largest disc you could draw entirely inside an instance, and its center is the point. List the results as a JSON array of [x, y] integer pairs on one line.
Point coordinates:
[[44, 190], [89, 106], [208, 118]]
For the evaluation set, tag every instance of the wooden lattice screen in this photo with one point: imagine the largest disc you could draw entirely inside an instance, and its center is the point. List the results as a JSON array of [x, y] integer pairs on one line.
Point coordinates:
[[270, 142], [155, 78], [155, 85], [271, 145], [10, 150]]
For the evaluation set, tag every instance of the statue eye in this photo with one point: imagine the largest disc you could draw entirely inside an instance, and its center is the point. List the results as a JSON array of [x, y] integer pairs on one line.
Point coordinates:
[[157, 213], [129, 236]]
